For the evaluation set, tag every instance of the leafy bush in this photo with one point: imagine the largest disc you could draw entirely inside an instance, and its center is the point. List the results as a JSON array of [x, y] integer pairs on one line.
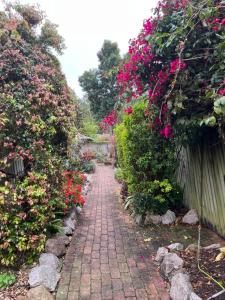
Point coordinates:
[[6, 280], [147, 161], [161, 196], [36, 127], [88, 167], [119, 174]]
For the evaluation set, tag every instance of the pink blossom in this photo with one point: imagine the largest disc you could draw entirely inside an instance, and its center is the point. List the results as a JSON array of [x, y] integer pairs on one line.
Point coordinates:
[[221, 92], [167, 131], [128, 110], [177, 64]]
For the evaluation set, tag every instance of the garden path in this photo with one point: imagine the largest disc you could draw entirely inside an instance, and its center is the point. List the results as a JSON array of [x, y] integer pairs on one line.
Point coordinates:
[[107, 257]]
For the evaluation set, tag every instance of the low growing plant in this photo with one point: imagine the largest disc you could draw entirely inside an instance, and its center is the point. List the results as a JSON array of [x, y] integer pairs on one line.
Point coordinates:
[[6, 280]]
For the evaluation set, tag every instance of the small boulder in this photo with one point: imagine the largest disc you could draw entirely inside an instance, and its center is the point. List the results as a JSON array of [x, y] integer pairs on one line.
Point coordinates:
[[194, 296], [139, 219], [50, 259], [67, 230], [63, 238], [191, 217], [78, 209], [162, 251], [212, 247], [181, 287], [153, 219], [69, 222], [44, 275], [39, 293], [192, 248], [168, 218], [55, 246], [176, 247], [171, 263]]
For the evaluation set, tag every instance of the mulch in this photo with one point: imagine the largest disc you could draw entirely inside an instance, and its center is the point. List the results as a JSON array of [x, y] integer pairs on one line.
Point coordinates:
[[203, 286]]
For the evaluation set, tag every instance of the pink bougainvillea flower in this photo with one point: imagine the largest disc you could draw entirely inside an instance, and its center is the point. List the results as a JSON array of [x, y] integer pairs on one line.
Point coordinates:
[[167, 131], [177, 64], [128, 110], [221, 92]]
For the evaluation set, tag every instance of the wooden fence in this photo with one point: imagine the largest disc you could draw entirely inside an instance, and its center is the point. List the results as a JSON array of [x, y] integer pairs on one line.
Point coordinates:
[[210, 158]]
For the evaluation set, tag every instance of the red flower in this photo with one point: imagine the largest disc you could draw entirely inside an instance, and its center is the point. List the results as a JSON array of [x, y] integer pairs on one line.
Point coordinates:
[[128, 110], [177, 64], [167, 131]]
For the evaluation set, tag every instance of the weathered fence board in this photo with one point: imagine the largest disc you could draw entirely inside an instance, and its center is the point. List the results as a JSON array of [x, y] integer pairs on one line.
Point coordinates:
[[212, 160]]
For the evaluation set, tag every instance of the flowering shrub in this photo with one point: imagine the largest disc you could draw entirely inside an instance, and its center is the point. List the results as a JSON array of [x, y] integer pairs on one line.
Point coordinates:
[[178, 61], [147, 161], [36, 127], [73, 188]]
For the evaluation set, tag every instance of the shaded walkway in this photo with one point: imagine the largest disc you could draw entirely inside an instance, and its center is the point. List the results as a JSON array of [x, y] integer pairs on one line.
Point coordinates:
[[107, 258]]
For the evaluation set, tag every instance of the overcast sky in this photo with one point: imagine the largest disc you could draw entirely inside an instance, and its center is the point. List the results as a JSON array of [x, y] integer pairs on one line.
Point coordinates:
[[85, 24]]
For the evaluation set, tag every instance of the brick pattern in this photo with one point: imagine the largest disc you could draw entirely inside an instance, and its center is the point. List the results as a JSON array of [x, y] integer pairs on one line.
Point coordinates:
[[107, 258]]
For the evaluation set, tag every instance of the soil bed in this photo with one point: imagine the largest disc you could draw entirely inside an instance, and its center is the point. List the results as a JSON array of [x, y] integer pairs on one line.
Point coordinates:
[[203, 286]]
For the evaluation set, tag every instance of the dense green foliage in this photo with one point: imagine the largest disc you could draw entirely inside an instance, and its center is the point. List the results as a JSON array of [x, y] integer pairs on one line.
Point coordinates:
[[147, 161], [36, 128], [100, 84]]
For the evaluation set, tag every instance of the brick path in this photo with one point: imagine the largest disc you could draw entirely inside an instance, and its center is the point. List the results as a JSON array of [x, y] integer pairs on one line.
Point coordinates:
[[107, 257]]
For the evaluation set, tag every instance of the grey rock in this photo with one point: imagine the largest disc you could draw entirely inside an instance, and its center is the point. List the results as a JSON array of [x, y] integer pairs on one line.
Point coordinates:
[[44, 275], [181, 287], [51, 260], [39, 293], [191, 217], [171, 263], [176, 247], [63, 238], [192, 248], [213, 246], [168, 218], [162, 251], [153, 219], [67, 230], [70, 222], [194, 296], [139, 219], [56, 247], [79, 209]]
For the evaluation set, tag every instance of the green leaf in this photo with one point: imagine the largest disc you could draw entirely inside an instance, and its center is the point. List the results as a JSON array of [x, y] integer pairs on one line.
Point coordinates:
[[219, 106]]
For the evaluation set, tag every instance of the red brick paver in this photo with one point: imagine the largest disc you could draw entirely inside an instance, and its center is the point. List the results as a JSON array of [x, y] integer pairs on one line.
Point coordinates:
[[107, 258]]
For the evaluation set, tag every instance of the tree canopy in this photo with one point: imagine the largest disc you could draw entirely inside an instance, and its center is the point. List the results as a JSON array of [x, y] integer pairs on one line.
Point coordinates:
[[100, 84]]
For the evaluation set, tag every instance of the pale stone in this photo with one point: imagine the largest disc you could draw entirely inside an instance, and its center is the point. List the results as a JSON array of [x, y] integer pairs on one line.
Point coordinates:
[[67, 230], [63, 238], [139, 219], [181, 287], [192, 248], [176, 247], [162, 251], [79, 210], [50, 260], [194, 296], [171, 262], [212, 247], [44, 275], [153, 219], [56, 247], [191, 217], [70, 222], [168, 218], [39, 293]]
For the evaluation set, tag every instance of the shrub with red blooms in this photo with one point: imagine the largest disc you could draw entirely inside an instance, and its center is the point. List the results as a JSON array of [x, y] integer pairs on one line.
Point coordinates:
[[73, 189], [36, 125]]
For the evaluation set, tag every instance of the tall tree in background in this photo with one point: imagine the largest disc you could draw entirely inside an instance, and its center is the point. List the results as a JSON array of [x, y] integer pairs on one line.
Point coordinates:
[[100, 84]]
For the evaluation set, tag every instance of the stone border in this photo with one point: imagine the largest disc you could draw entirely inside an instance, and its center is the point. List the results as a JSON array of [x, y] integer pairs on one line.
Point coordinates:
[[171, 268], [44, 278]]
